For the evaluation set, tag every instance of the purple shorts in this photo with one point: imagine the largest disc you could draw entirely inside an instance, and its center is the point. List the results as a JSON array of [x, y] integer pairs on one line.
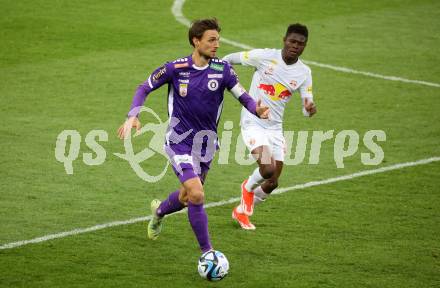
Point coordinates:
[[185, 164]]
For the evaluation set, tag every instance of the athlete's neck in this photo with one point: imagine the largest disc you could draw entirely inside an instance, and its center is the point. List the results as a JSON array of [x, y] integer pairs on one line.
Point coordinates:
[[287, 60], [199, 60]]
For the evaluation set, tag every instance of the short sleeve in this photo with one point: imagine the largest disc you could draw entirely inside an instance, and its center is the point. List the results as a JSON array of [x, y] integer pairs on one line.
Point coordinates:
[[252, 57]]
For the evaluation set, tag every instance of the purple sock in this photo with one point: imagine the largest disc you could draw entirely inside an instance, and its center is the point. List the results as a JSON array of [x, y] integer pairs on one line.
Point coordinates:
[[199, 223], [170, 205]]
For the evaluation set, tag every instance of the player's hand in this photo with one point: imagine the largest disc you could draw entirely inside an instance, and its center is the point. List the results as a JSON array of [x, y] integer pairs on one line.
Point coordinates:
[[125, 129], [310, 107], [262, 111]]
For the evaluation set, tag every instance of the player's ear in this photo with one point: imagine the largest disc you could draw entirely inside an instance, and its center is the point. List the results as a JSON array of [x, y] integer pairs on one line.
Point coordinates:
[[196, 41]]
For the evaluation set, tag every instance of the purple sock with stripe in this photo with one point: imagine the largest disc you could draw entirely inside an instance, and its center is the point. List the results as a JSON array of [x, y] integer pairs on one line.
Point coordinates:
[[199, 223], [170, 205]]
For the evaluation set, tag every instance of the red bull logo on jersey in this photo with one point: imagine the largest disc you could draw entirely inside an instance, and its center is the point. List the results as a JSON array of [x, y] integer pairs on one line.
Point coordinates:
[[276, 91]]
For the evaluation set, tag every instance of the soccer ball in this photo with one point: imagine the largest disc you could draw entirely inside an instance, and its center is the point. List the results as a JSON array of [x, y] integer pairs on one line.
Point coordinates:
[[213, 265]]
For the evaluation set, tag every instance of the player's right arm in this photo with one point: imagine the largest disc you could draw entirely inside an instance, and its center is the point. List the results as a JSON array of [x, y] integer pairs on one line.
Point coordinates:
[[233, 58], [159, 77], [246, 58]]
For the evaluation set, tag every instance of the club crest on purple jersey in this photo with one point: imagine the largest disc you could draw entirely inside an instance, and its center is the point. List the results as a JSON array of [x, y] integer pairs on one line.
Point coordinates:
[[183, 89]]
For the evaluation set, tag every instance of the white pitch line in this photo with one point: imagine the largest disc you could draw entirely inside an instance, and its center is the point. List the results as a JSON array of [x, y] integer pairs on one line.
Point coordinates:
[[176, 9], [220, 203]]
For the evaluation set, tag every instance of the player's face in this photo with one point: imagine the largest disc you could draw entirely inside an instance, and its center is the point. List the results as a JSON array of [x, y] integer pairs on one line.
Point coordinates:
[[207, 45], [294, 45]]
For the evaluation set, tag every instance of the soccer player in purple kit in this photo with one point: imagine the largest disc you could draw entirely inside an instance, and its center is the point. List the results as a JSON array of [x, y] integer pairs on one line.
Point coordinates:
[[196, 85]]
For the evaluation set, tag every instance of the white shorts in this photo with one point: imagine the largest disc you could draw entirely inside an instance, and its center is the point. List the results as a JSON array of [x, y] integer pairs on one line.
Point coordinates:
[[255, 136]]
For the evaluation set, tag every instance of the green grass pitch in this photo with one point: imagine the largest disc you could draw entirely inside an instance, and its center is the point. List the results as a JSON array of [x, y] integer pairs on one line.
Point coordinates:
[[74, 65]]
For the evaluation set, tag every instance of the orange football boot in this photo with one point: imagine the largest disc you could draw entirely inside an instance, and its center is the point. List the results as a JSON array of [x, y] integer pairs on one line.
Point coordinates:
[[243, 220]]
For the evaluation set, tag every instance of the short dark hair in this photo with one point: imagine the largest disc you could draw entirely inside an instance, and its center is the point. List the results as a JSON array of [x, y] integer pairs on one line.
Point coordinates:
[[297, 28], [198, 27]]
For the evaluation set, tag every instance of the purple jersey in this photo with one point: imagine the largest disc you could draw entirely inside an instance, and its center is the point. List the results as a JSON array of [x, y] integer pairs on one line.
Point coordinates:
[[195, 95]]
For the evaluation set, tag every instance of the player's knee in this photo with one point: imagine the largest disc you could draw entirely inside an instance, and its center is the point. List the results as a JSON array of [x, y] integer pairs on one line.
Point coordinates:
[[183, 199], [183, 196], [267, 171], [272, 184], [196, 196]]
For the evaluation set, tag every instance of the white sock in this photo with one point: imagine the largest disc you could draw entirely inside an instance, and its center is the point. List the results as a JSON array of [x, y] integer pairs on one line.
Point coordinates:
[[259, 195], [254, 180], [240, 209]]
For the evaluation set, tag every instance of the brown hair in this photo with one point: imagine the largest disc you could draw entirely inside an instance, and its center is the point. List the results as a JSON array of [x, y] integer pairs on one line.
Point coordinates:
[[198, 27]]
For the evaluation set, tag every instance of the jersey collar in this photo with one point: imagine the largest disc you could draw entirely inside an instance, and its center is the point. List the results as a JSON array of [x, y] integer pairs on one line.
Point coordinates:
[[191, 64]]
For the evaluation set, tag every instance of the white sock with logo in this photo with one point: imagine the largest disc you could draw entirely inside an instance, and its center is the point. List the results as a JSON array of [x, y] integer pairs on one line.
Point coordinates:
[[254, 180]]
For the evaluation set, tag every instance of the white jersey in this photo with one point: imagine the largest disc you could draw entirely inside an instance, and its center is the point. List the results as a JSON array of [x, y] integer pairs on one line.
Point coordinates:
[[274, 82]]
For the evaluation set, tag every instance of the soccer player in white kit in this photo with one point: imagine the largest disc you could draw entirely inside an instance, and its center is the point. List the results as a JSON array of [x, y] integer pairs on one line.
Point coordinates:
[[278, 74]]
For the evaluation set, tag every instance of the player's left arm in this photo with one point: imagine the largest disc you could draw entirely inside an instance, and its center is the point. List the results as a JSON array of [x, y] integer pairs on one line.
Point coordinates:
[[242, 96], [305, 90], [246, 100]]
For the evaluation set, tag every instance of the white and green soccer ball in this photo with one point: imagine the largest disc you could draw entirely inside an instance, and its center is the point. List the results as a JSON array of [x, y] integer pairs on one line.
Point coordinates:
[[213, 265]]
